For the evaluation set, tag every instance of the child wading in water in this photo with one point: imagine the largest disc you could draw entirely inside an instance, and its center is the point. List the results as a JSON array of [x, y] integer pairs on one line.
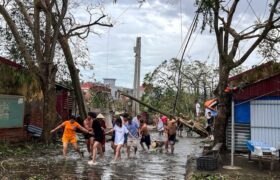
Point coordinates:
[[69, 134]]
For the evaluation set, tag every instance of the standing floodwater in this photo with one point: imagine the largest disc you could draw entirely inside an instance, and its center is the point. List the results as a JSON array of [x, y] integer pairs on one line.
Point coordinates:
[[152, 165]]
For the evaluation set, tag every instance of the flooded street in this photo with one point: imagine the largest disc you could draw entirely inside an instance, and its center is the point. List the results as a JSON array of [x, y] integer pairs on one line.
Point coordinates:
[[151, 165]]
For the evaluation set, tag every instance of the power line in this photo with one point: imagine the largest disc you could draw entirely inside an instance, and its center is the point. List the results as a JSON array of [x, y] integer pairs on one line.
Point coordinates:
[[184, 42], [181, 18], [108, 38], [122, 13], [212, 50], [228, 3], [265, 8], [107, 48], [258, 19], [244, 12], [189, 49], [239, 20], [191, 30]]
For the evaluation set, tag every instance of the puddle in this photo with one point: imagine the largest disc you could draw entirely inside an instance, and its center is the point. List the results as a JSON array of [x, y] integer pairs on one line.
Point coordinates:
[[152, 165]]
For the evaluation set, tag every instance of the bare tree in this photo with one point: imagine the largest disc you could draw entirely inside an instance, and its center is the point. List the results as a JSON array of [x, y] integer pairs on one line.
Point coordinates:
[[44, 24]]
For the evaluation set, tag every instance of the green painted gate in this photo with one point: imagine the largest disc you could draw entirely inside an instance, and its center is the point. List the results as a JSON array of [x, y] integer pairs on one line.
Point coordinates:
[[11, 111]]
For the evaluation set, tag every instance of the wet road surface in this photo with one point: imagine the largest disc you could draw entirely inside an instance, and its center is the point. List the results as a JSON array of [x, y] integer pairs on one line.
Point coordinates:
[[151, 165]]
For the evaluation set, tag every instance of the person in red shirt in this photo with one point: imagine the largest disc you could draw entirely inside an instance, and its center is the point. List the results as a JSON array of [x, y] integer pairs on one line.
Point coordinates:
[[69, 134], [164, 119]]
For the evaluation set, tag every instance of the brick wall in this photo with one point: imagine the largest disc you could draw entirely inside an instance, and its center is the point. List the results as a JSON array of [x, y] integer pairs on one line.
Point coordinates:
[[13, 134]]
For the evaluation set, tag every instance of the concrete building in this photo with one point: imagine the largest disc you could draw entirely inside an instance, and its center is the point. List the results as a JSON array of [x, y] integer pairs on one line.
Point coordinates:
[[111, 82]]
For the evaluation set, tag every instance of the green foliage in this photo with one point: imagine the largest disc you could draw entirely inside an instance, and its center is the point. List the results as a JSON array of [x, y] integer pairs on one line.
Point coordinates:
[[269, 48], [198, 81], [99, 99], [12, 150], [207, 177], [205, 10], [13, 79], [8, 42]]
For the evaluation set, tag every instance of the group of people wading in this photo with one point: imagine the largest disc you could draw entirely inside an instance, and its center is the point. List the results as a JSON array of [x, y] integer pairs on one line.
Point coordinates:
[[126, 132]]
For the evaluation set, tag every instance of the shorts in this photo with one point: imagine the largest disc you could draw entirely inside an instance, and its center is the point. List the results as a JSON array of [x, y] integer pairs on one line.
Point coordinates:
[[172, 138], [209, 129], [88, 136], [160, 133], [113, 137], [104, 139], [100, 138], [69, 139], [132, 142], [146, 139], [125, 138]]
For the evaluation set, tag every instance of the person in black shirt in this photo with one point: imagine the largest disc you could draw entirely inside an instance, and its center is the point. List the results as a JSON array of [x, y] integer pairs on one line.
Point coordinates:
[[98, 139], [210, 123]]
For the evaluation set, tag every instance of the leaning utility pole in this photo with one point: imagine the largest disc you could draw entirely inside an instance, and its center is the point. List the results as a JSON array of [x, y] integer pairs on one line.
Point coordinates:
[[136, 84]]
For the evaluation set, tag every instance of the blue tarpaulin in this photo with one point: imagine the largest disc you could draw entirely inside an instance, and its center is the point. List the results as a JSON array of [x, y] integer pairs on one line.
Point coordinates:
[[242, 113]]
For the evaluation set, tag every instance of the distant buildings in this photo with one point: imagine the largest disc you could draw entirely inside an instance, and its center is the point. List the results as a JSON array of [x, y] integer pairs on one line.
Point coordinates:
[[112, 84], [109, 85]]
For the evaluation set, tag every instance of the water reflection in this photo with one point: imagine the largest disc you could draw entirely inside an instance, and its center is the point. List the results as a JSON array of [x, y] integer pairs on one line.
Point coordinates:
[[152, 165]]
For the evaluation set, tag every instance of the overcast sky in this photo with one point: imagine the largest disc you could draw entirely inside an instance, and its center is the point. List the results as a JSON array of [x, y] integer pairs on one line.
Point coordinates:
[[158, 23]]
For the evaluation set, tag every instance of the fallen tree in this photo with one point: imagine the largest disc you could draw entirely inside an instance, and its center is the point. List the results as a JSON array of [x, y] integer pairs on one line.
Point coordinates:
[[194, 126]]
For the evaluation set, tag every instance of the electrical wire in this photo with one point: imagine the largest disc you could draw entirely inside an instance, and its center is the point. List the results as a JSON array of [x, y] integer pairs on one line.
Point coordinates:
[[181, 18], [107, 49], [265, 8], [184, 42], [191, 30], [254, 12], [189, 49], [108, 37]]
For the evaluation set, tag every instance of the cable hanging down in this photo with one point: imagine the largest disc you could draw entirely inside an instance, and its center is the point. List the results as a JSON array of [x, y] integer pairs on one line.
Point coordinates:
[[188, 37]]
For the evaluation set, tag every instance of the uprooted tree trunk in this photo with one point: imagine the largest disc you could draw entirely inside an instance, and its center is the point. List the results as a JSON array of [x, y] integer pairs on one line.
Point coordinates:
[[74, 74]]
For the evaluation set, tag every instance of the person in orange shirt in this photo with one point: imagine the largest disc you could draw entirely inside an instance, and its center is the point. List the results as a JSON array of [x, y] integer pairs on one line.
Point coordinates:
[[69, 134]]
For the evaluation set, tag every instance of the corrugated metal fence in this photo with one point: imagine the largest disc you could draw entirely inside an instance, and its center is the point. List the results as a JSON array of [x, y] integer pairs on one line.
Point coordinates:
[[242, 134], [265, 121]]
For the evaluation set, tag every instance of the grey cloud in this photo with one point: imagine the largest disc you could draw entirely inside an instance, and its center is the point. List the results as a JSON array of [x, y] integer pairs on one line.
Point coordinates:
[[159, 28]]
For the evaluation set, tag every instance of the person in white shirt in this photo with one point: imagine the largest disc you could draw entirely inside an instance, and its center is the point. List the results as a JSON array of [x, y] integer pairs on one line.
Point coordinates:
[[197, 108], [160, 126], [120, 131]]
